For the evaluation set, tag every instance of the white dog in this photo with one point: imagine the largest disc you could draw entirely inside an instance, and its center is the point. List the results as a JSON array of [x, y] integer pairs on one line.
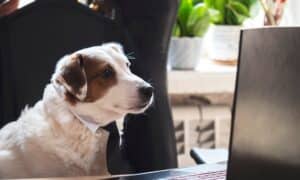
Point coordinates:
[[62, 135]]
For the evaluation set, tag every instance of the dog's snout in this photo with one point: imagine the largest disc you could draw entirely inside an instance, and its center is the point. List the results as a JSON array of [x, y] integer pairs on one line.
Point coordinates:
[[146, 91]]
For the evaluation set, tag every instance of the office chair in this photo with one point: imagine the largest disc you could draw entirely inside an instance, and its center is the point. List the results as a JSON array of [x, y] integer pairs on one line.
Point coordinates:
[[35, 37]]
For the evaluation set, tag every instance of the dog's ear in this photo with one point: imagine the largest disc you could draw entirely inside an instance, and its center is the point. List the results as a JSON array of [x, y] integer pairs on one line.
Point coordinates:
[[71, 76]]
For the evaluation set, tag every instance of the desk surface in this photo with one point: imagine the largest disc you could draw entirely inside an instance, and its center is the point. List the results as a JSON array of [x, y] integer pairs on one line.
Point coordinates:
[[152, 175]]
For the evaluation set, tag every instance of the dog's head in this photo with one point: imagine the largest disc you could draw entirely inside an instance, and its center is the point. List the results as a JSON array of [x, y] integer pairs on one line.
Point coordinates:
[[100, 78]]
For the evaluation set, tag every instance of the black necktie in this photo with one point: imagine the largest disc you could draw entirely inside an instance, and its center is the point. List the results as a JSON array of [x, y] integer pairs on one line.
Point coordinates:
[[117, 163]]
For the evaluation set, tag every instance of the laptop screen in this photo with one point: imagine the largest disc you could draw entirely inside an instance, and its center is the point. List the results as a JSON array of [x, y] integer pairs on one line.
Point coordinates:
[[265, 139]]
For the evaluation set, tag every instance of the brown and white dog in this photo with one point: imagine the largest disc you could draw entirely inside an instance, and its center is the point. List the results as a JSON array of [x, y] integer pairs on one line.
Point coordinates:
[[60, 135]]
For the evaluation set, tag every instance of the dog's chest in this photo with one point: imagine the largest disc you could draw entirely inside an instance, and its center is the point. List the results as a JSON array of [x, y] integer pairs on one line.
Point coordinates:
[[85, 151]]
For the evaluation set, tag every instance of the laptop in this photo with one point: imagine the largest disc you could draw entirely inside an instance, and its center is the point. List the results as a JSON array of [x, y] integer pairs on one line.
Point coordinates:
[[266, 112], [265, 132]]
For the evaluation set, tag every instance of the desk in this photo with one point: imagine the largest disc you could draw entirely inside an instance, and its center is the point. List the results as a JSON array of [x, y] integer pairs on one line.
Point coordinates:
[[152, 175]]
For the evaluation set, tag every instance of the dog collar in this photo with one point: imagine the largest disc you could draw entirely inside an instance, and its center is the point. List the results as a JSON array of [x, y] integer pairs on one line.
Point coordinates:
[[88, 122]]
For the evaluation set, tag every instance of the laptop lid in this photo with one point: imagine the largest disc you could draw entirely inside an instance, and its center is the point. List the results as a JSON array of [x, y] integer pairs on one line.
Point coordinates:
[[265, 139]]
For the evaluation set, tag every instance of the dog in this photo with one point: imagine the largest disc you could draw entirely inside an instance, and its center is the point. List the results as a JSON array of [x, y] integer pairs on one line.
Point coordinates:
[[7, 7], [61, 134]]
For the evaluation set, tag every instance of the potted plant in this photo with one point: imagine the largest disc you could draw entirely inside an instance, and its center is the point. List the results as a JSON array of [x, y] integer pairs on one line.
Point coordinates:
[[228, 17], [192, 23]]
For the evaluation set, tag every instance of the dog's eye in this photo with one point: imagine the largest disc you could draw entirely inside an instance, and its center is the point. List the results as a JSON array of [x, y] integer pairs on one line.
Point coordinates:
[[107, 73]]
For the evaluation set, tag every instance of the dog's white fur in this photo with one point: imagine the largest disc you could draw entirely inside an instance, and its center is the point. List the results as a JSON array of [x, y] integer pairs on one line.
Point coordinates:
[[49, 140]]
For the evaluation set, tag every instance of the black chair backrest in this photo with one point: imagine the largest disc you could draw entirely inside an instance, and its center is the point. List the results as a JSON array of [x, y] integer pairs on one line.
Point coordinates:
[[35, 37], [33, 40], [149, 25]]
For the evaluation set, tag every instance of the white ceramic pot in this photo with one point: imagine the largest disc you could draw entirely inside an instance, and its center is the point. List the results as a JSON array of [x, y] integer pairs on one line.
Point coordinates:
[[184, 52], [224, 44]]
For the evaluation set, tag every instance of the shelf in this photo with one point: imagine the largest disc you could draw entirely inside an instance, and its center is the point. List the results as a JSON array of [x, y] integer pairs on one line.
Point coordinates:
[[208, 78]]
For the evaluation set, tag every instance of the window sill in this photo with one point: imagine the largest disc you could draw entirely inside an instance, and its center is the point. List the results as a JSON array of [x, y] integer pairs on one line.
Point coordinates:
[[208, 78]]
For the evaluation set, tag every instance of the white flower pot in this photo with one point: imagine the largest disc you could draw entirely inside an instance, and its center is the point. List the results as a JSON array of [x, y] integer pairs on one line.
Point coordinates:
[[184, 52], [224, 45]]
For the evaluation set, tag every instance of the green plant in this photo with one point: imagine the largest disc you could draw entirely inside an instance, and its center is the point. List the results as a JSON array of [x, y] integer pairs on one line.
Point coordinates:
[[192, 19], [231, 12]]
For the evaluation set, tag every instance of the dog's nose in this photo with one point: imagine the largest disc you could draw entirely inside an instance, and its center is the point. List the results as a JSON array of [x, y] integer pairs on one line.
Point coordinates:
[[146, 91]]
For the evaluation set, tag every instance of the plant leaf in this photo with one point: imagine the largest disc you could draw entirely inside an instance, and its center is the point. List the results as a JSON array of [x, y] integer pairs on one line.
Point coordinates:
[[254, 7], [197, 1], [239, 8], [185, 8], [236, 13], [231, 18], [176, 30], [198, 21], [218, 5], [248, 3], [215, 16]]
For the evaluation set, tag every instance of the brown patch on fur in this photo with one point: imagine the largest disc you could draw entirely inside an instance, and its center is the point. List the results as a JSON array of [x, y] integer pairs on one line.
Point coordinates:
[[97, 83], [70, 98], [73, 75], [8, 7]]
